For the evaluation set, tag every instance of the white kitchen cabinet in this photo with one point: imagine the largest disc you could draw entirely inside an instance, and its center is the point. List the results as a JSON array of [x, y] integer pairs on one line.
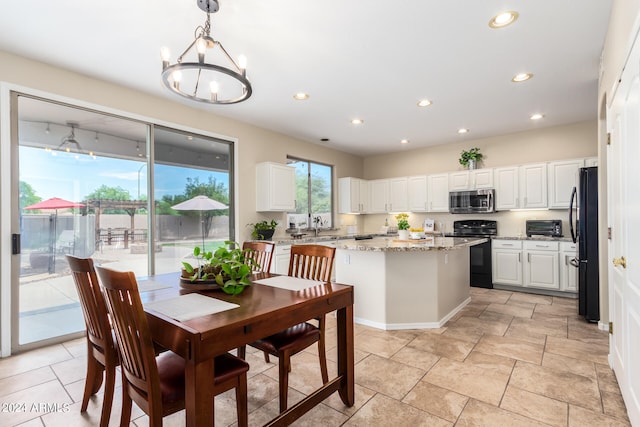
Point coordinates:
[[378, 195], [506, 260], [417, 193], [482, 178], [507, 188], [353, 195], [438, 193], [275, 187], [280, 261], [459, 181], [591, 161], [563, 176], [398, 195], [541, 268], [568, 273], [533, 186]]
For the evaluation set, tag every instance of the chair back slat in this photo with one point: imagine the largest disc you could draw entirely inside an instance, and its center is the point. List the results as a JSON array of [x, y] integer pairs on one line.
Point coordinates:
[[261, 253], [314, 262], [132, 333], [92, 302]]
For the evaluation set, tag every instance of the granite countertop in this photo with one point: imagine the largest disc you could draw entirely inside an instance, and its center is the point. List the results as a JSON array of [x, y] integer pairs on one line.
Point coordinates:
[[543, 238], [392, 244], [310, 238]]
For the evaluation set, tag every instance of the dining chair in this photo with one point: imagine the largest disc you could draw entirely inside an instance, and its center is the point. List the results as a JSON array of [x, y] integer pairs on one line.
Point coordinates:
[[157, 384], [313, 262], [102, 355], [261, 253]]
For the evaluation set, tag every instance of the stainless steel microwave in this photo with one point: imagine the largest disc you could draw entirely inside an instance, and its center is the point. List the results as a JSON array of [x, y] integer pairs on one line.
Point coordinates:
[[472, 201]]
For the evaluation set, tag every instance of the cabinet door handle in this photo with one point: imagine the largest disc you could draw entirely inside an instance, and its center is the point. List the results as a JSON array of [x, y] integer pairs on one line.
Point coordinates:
[[542, 246], [528, 257], [519, 256]]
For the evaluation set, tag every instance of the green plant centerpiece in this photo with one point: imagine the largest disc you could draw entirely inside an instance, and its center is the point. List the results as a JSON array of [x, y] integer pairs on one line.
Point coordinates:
[[403, 221], [470, 158], [263, 230], [229, 267]]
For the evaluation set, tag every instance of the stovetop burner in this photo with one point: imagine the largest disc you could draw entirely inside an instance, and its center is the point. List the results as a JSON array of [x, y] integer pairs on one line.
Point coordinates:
[[475, 228]]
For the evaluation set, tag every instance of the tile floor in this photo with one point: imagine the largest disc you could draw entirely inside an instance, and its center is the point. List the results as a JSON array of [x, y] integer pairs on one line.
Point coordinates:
[[507, 359]]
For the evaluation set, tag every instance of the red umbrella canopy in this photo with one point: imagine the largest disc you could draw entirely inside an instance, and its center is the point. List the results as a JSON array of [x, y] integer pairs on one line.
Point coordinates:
[[54, 203]]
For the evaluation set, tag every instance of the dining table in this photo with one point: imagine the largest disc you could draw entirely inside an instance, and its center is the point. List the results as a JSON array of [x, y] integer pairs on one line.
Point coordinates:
[[269, 305]]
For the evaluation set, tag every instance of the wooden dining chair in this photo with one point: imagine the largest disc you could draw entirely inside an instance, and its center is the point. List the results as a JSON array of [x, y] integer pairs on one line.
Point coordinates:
[[261, 253], [313, 262], [157, 384], [102, 355]]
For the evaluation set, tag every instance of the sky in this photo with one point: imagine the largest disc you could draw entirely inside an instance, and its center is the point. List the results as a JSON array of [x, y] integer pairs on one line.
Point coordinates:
[[72, 177]]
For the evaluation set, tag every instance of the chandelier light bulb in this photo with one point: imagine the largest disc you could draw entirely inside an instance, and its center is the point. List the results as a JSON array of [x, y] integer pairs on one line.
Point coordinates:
[[165, 54], [242, 62], [214, 90]]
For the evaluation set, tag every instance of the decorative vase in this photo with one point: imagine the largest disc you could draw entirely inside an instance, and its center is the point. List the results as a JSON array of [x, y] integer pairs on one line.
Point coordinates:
[[471, 164], [403, 234], [265, 234]]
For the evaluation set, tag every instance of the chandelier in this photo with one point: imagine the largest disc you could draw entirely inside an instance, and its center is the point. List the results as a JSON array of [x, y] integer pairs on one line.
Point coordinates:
[[68, 142], [194, 78]]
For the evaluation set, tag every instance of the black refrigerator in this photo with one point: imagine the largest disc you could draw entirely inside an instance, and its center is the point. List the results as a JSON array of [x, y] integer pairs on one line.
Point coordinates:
[[583, 221]]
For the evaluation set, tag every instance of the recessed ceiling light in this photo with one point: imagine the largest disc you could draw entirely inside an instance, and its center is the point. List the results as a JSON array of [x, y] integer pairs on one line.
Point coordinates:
[[301, 96], [404, 141], [357, 121], [522, 77], [424, 103], [463, 130], [503, 19], [536, 116]]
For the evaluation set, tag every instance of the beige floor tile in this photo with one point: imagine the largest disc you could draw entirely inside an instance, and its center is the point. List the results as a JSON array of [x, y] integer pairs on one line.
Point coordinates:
[[534, 406], [472, 328], [578, 349], [37, 422], [495, 316], [387, 376], [77, 347], [261, 390], [525, 335], [491, 363], [573, 302], [34, 402], [495, 296], [530, 298], [25, 380], [384, 411], [71, 370], [480, 414], [468, 379], [384, 345], [362, 396], [556, 309], [607, 380], [33, 359], [581, 417], [516, 310], [511, 347], [613, 405], [417, 358], [587, 332], [436, 400], [555, 326], [568, 364], [442, 345], [557, 384], [305, 372]]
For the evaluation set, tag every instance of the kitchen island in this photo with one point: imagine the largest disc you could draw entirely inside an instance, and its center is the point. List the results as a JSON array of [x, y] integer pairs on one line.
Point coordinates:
[[406, 284]]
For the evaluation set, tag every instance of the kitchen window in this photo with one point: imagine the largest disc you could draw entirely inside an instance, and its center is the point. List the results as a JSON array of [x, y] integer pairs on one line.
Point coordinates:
[[314, 194]]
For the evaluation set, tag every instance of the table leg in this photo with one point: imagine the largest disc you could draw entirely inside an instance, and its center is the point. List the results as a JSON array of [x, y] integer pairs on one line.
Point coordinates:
[[346, 355], [198, 393]]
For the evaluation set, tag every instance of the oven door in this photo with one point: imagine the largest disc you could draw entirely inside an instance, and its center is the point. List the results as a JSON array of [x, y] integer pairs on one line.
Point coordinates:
[[480, 265]]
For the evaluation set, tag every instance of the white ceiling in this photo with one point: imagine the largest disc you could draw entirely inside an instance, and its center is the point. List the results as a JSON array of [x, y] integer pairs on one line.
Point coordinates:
[[370, 59]]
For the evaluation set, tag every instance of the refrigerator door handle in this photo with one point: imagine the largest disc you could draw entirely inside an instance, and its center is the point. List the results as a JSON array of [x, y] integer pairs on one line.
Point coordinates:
[[575, 262], [574, 234]]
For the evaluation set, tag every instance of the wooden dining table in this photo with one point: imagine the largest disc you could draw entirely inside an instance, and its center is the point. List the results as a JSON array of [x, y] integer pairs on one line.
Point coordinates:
[[263, 310]]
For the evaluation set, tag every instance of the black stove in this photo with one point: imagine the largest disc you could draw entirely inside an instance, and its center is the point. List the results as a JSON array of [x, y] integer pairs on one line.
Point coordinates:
[[479, 255]]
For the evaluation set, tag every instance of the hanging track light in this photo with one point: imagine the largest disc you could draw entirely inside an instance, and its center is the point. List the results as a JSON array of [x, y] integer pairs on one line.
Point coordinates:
[[199, 80]]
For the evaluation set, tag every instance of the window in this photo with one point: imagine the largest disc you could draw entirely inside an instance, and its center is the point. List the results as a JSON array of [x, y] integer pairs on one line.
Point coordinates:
[[314, 194]]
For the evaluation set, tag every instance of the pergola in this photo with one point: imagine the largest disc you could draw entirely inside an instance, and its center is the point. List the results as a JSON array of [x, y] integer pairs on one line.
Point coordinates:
[[130, 206]]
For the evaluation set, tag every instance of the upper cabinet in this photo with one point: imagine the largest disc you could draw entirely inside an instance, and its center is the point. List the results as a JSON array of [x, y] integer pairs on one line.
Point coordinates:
[[471, 179], [459, 180], [507, 188], [378, 196], [417, 193], [563, 176], [482, 178], [353, 195], [398, 195], [533, 186], [275, 187], [438, 193]]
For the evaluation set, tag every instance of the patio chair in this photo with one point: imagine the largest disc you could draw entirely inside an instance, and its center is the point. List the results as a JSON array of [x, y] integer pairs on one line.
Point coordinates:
[[157, 384], [102, 355]]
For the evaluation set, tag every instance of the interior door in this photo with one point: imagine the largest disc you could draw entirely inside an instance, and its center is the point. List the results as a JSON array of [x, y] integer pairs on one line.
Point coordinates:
[[624, 249]]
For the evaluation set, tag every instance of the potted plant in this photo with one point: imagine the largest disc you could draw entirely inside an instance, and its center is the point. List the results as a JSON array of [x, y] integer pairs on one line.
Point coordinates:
[[470, 158], [228, 267], [403, 226], [263, 230]]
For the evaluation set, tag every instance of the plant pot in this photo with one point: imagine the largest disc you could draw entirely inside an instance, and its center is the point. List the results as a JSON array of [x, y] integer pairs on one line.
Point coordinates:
[[403, 234], [472, 164], [265, 234]]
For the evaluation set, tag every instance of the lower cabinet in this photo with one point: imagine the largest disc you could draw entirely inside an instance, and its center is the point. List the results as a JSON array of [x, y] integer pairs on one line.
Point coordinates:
[[532, 264], [282, 254], [568, 273]]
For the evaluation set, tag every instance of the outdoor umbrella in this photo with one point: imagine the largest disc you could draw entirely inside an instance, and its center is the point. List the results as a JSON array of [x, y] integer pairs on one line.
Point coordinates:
[[200, 203], [54, 203]]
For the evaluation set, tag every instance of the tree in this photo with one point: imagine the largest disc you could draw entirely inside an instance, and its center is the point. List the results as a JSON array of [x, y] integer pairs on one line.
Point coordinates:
[[27, 195], [110, 193]]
